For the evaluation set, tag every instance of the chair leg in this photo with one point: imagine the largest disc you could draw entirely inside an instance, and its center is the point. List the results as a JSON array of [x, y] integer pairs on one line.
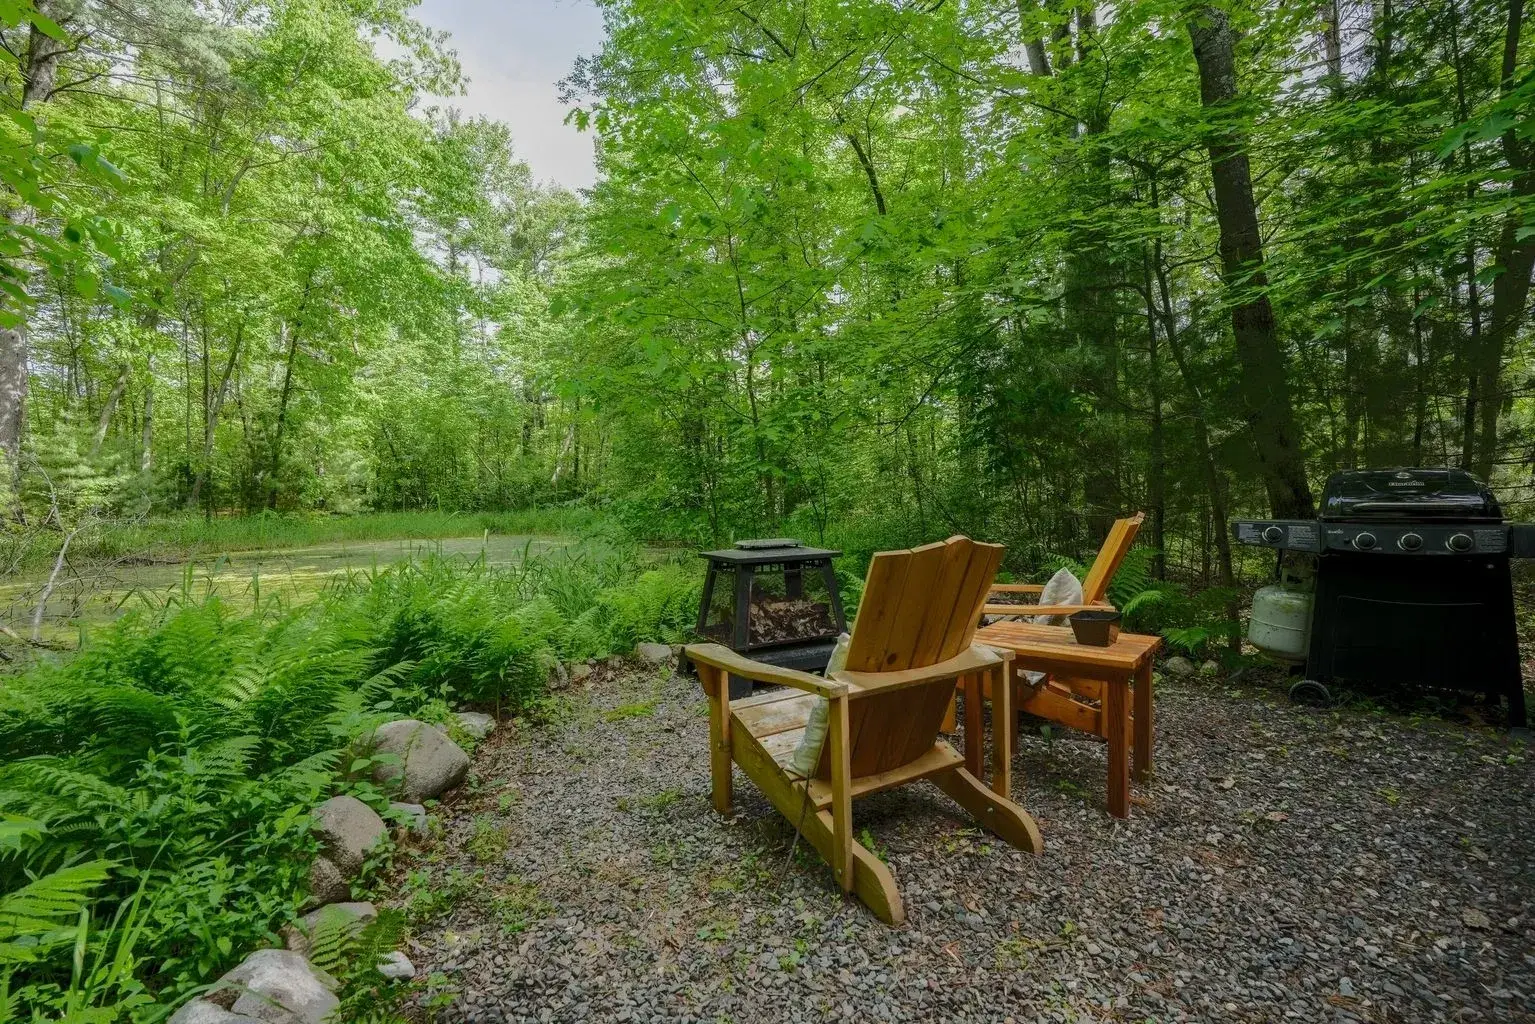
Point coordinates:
[[997, 814], [974, 740], [1004, 727], [716, 685], [873, 883]]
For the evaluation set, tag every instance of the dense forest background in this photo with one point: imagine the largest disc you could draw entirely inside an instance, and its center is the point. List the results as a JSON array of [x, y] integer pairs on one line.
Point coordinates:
[[873, 268]]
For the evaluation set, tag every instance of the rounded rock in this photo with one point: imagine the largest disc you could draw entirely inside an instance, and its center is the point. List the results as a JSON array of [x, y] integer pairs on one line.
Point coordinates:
[[429, 763], [348, 831]]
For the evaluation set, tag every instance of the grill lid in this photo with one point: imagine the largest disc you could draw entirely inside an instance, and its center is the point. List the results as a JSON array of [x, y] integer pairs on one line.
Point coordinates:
[[1407, 495]]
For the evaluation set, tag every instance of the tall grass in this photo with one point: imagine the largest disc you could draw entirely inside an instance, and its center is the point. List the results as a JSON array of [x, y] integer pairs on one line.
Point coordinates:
[[178, 752]]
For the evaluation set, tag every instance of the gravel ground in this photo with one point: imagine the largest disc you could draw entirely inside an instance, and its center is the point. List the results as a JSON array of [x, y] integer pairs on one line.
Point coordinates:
[[1285, 864]]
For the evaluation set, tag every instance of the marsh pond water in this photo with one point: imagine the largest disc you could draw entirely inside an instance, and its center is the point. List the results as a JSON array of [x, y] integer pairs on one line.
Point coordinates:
[[91, 594]]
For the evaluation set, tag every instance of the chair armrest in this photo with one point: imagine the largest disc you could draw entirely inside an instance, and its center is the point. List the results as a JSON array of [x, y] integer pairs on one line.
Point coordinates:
[[726, 660], [1045, 609], [1017, 588], [977, 657]]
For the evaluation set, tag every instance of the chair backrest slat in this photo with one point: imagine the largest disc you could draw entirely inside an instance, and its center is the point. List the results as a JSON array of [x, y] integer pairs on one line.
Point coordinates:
[[919, 607], [1113, 552]]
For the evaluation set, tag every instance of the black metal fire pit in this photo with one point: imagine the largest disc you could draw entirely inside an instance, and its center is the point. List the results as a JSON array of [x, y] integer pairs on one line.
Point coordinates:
[[1412, 583], [783, 608]]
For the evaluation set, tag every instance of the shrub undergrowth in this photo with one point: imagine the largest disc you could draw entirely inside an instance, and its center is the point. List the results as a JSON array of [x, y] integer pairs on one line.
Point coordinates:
[[155, 786]]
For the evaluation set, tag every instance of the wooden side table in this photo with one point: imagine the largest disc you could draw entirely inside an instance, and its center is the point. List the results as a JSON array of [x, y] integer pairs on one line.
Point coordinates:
[[1091, 689]]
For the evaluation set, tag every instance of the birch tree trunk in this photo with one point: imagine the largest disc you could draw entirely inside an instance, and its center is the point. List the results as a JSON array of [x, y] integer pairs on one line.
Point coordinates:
[[38, 69]]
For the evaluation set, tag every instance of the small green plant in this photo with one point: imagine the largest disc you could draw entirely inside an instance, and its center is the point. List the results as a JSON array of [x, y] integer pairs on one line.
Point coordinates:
[[516, 903], [624, 712], [1013, 954], [872, 845], [429, 896], [488, 841], [661, 801], [718, 929]]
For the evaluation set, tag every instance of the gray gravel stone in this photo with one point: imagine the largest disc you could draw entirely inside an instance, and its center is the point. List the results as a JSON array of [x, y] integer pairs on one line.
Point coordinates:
[[397, 966], [326, 883], [298, 934], [654, 654], [416, 815], [1326, 882]]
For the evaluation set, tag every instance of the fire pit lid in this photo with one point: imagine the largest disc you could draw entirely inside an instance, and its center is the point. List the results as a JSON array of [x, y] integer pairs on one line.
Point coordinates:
[[769, 552]]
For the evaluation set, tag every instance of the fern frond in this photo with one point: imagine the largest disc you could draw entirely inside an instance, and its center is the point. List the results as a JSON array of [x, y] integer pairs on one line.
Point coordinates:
[[44, 906]]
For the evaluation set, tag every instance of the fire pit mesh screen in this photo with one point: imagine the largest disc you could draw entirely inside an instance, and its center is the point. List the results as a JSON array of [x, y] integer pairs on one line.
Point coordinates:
[[776, 616]]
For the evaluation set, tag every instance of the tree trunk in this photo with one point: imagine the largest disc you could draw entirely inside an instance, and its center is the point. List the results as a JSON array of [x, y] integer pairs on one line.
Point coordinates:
[[147, 441], [41, 63], [1033, 44], [282, 418], [294, 328], [1332, 45], [1511, 289], [1264, 380], [1156, 471], [214, 400], [1210, 470], [104, 421]]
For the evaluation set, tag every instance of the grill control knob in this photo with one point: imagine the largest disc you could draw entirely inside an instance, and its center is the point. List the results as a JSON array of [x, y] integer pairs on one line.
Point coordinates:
[[1409, 542], [1364, 541], [1273, 534], [1459, 542]]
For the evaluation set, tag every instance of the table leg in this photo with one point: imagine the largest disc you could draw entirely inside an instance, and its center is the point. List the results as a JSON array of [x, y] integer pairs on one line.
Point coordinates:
[[974, 751], [1143, 721], [1116, 713], [1003, 725]]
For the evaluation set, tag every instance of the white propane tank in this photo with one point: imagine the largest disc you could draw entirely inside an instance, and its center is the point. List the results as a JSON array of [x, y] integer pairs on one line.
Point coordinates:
[[1281, 622]]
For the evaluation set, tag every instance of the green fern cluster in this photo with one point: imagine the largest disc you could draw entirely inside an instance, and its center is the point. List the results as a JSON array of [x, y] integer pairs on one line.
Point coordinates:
[[171, 763]]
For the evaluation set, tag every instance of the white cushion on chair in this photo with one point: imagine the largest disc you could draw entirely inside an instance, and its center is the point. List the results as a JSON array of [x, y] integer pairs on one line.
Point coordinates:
[[807, 756], [1063, 588]]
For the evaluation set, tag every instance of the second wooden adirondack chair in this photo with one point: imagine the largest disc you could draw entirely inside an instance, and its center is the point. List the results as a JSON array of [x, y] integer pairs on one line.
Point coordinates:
[[1095, 588], [1036, 695], [910, 646]]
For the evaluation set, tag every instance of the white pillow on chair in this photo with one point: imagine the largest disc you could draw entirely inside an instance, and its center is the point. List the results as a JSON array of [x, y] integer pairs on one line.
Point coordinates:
[[807, 756], [1063, 588]]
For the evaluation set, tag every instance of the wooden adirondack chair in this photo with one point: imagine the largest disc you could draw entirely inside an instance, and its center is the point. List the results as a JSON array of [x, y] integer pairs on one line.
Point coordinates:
[[1072, 701], [911, 645], [1094, 589], [1037, 694]]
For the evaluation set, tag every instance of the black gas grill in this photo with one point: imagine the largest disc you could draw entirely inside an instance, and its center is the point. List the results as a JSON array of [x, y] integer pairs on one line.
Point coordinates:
[[1412, 583]]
